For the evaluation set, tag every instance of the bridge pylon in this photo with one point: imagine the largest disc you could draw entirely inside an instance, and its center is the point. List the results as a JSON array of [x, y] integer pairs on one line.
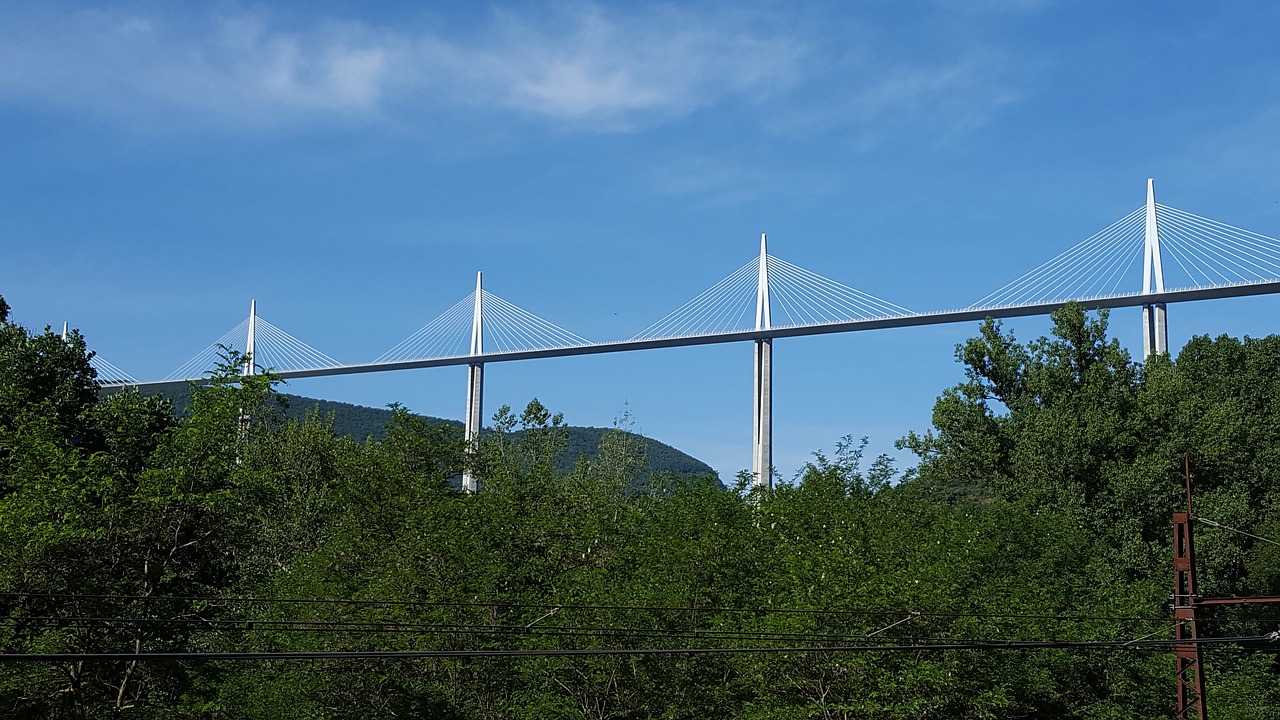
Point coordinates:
[[251, 339], [475, 387], [762, 438], [1155, 333]]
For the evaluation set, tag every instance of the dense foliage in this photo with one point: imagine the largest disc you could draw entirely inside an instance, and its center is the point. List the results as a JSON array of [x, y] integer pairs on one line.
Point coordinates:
[[1039, 510], [362, 423]]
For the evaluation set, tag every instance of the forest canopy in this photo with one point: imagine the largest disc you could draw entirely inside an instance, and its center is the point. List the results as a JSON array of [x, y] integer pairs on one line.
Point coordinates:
[[1039, 510]]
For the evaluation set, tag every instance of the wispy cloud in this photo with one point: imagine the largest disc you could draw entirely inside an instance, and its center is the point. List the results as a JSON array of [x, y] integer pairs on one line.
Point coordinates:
[[576, 65], [230, 68], [735, 180], [933, 101], [603, 70], [1229, 155], [618, 70], [861, 105], [947, 98]]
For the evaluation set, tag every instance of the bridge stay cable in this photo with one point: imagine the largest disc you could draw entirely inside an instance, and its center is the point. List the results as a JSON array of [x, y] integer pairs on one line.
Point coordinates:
[[272, 348], [106, 373], [209, 357], [109, 374], [1206, 253], [1230, 253], [722, 306], [1088, 268], [798, 298], [442, 337], [506, 328], [807, 298]]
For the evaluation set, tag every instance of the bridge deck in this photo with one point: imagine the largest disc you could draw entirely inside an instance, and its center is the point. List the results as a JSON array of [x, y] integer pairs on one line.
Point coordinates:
[[898, 321]]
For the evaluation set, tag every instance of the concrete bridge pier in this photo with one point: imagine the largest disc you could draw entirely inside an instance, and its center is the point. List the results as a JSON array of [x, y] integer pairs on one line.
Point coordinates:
[[762, 437], [1155, 332]]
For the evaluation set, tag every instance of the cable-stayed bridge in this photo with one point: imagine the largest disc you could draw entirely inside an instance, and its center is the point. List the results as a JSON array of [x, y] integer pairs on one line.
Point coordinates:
[[769, 298]]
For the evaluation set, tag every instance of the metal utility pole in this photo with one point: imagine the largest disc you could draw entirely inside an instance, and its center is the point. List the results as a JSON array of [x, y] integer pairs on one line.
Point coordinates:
[[762, 416], [1190, 678], [1190, 670]]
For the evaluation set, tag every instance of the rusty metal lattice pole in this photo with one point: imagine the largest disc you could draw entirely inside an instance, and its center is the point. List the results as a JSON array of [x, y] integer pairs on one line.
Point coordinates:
[[1190, 678], [1190, 670]]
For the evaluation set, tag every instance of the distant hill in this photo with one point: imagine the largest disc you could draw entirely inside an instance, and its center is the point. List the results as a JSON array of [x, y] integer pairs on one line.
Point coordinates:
[[361, 423]]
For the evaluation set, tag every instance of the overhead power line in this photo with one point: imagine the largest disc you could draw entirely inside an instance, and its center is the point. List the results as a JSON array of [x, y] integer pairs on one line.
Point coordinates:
[[562, 606], [1207, 521], [991, 646]]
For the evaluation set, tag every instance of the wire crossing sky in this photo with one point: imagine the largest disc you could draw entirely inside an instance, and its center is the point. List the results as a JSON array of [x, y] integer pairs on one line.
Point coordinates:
[[1205, 253], [798, 297], [351, 166], [507, 328]]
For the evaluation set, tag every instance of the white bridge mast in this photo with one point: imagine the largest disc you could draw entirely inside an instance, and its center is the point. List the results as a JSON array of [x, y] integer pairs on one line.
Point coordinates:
[[475, 387], [250, 341], [1155, 332], [762, 438]]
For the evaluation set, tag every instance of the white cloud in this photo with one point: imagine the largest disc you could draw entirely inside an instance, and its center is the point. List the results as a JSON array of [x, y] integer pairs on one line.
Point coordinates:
[[955, 95], [577, 66], [880, 97], [603, 70], [221, 68], [665, 63], [334, 77]]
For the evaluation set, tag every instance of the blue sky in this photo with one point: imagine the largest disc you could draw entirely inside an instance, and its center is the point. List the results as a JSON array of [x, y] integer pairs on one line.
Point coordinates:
[[351, 165]]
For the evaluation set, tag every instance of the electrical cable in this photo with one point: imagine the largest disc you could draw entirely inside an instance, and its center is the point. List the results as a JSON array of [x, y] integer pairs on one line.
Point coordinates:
[[395, 627], [1207, 521], [548, 606], [425, 654]]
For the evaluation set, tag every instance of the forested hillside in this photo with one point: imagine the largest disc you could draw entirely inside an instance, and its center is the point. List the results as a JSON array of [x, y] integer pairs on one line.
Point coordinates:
[[361, 423], [1039, 512]]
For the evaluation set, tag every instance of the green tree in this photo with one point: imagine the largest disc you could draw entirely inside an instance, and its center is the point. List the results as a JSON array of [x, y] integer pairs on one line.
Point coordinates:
[[46, 387], [113, 510], [1069, 427]]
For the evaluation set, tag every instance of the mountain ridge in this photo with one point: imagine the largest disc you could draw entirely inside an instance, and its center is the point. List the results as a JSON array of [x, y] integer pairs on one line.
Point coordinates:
[[361, 423]]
